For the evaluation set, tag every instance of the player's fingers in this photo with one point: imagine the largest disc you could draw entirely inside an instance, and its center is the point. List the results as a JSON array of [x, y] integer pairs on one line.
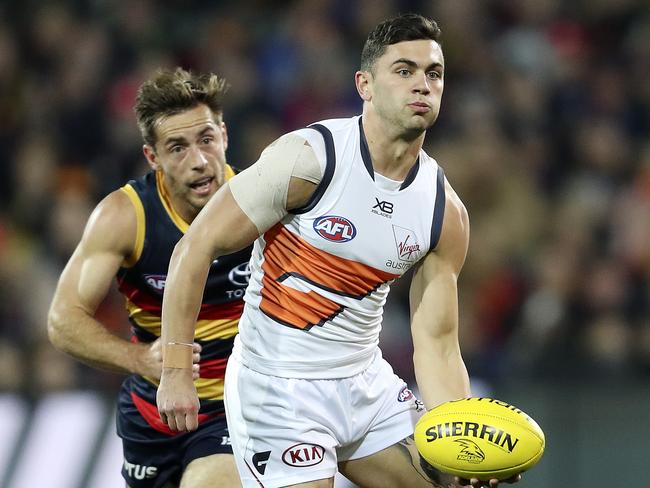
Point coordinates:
[[171, 421], [196, 357], [196, 347], [191, 421], [180, 422], [196, 371], [516, 478], [462, 481]]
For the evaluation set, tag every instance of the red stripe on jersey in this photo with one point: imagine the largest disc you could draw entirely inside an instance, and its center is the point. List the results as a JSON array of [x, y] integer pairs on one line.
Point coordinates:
[[150, 413], [140, 298], [224, 311], [153, 304], [213, 368]]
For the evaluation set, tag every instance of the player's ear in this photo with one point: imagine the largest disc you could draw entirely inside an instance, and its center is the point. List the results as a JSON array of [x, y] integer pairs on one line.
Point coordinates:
[[362, 82], [150, 154], [224, 134]]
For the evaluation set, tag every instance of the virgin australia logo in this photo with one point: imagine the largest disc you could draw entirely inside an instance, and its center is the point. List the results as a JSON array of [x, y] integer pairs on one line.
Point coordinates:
[[408, 249]]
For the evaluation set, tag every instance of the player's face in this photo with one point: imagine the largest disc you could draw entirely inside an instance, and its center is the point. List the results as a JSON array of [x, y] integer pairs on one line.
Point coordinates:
[[191, 152], [407, 85]]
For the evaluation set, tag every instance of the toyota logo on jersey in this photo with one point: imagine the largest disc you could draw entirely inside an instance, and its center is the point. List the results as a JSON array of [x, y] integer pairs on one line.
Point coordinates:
[[240, 274], [335, 228]]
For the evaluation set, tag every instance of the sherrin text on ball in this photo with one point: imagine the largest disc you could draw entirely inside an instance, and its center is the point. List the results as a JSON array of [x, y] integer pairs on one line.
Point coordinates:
[[480, 438]]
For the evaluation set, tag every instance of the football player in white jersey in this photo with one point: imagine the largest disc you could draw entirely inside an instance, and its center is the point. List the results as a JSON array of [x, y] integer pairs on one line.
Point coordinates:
[[337, 211]]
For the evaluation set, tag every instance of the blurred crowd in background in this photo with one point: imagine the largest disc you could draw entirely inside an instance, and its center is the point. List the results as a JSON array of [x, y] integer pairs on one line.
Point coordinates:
[[544, 133]]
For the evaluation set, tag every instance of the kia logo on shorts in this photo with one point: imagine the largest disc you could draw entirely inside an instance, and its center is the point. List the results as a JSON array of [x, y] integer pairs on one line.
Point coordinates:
[[335, 229], [303, 455]]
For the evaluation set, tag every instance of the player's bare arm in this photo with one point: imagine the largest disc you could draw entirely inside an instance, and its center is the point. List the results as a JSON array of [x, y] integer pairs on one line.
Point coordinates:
[[439, 368], [222, 227], [108, 239]]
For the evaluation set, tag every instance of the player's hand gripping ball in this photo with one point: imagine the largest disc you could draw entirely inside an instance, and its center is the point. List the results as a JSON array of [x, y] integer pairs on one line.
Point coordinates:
[[479, 438]]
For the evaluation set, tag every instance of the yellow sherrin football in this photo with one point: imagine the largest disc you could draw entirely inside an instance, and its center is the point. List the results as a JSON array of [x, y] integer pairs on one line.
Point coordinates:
[[479, 438]]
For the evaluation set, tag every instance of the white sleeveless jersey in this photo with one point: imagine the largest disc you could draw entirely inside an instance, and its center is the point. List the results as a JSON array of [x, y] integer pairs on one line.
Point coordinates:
[[319, 279]]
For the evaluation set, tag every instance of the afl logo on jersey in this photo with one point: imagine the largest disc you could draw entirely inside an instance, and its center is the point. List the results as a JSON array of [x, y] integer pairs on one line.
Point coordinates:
[[157, 282], [334, 228]]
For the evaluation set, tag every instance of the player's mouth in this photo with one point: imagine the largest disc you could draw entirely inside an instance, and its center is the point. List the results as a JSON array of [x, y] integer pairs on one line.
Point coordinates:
[[203, 186], [420, 107]]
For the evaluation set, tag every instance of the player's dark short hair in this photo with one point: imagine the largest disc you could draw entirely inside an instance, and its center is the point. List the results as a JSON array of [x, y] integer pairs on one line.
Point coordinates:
[[172, 92], [405, 27]]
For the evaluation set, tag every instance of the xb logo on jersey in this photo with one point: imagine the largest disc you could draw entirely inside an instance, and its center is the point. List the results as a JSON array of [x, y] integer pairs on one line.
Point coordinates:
[[335, 228], [383, 208]]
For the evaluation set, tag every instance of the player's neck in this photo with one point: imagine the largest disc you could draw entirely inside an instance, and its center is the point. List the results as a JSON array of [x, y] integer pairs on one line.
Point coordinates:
[[178, 207], [393, 154]]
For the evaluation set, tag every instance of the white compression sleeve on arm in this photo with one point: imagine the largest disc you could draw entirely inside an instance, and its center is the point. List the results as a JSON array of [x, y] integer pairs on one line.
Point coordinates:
[[261, 190]]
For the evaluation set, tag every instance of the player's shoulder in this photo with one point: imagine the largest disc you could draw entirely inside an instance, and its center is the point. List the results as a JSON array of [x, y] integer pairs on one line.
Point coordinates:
[[332, 126], [454, 205], [113, 222], [454, 236], [118, 204]]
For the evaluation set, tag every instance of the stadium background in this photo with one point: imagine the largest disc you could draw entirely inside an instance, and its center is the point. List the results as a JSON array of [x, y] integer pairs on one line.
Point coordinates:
[[544, 133]]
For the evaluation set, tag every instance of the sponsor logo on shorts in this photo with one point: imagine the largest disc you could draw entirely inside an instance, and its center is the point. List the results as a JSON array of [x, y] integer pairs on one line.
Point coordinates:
[[405, 395], [139, 472], [260, 460], [303, 455], [157, 282], [334, 228]]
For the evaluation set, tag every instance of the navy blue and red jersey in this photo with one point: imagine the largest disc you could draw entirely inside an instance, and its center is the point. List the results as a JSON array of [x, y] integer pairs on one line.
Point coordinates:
[[141, 280]]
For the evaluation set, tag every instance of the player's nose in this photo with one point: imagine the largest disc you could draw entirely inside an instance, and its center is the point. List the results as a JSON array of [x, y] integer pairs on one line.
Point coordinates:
[[199, 159], [422, 84]]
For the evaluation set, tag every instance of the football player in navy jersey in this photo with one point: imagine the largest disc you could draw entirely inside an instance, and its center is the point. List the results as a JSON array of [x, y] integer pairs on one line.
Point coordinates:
[[130, 236]]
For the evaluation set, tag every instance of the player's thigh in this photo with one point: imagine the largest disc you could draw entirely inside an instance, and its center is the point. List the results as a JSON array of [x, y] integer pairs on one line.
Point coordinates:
[[326, 483], [397, 466], [210, 471], [169, 484], [166, 485]]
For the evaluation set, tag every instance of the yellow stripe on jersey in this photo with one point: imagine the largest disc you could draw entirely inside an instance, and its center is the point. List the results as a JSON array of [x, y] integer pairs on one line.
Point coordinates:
[[166, 201], [228, 172], [209, 330], [209, 389], [141, 223], [206, 330]]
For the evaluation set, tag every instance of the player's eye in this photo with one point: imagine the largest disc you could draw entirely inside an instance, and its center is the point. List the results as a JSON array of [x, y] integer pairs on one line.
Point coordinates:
[[176, 149], [434, 75], [403, 72], [207, 140]]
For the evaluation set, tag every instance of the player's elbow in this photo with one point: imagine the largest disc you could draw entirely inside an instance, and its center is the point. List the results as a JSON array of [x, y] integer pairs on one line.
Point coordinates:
[[56, 327]]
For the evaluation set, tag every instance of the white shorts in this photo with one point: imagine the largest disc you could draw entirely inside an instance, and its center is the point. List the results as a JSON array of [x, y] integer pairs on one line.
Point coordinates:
[[286, 431]]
